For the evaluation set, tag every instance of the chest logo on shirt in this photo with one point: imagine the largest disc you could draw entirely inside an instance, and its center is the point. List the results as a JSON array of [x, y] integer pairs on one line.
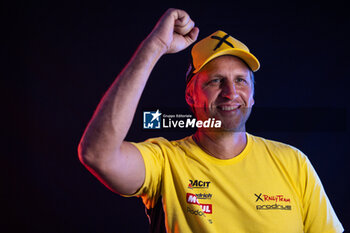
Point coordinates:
[[198, 184], [192, 199], [272, 202]]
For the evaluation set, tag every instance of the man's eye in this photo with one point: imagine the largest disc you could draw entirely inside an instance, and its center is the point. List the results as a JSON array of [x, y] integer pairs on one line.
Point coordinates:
[[216, 80], [241, 80]]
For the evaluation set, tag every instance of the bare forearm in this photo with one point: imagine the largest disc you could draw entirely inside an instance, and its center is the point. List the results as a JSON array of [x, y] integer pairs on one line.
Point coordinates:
[[118, 164]]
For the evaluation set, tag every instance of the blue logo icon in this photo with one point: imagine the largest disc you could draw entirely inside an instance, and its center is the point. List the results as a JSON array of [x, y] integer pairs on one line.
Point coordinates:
[[151, 120]]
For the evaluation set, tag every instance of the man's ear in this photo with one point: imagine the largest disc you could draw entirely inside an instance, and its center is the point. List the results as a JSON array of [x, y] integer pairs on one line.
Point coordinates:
[[189, 98]]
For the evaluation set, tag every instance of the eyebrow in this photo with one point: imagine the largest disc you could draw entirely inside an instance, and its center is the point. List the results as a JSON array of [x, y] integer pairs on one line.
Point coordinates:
[[219, 75]]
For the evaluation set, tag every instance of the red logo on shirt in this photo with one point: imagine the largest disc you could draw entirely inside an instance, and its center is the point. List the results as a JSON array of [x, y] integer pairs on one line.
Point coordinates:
[[274, 198], [192, 199]]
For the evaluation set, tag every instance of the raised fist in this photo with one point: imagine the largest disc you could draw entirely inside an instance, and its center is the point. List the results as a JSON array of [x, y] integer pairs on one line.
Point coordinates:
[[174, 31]]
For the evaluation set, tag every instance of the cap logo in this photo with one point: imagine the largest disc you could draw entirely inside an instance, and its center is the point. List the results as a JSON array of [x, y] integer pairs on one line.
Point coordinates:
[[221, 41]]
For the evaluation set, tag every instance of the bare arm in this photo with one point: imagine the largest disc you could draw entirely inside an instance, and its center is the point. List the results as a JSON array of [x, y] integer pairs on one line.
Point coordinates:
[[102, 149]]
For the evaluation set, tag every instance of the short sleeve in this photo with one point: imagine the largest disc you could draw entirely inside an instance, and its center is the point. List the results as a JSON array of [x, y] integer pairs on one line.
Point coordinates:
[[153, 158], [319, 216]]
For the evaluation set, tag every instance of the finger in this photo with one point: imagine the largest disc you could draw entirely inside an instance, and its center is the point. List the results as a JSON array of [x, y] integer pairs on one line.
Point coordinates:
[[192, 35], [184, 29], [181, 17]]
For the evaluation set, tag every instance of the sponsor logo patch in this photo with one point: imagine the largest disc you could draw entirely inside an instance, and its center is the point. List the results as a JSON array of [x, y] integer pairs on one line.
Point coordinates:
[[272, 202], [195, 212], [192, 199], [204, 195], [274, 207], [198, 184]]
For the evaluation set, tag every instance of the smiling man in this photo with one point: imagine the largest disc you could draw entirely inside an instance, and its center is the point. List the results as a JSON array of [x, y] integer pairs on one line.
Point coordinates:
[[222, 89], [219, 179]]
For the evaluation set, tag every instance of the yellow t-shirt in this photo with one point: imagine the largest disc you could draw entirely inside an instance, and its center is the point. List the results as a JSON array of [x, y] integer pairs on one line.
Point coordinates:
[[268, 187]]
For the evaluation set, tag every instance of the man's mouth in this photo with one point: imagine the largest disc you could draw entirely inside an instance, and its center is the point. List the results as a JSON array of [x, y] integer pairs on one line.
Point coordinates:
[[229, 107]]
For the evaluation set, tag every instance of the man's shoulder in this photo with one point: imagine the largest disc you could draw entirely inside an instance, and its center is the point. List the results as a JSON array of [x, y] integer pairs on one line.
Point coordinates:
[[163, 142], [272, 143], [277, 148]]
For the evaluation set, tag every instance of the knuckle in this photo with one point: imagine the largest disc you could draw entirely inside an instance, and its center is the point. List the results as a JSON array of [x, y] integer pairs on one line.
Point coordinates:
[[171, 10]]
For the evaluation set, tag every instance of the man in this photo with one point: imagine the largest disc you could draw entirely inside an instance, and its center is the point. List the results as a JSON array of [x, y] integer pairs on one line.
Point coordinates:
[[220, 179]]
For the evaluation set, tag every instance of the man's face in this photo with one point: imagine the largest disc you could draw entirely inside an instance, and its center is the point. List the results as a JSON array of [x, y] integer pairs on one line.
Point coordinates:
[[223, 90]]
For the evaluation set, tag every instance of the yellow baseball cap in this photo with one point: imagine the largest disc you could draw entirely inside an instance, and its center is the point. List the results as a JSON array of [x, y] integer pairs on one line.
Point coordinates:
[[217, 44]]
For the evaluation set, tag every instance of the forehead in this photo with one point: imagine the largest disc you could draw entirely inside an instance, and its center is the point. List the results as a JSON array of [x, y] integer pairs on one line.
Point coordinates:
[[226, 65]]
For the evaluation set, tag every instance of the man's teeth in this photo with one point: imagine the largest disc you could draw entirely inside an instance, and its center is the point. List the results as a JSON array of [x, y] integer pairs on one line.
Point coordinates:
[[228, 108]]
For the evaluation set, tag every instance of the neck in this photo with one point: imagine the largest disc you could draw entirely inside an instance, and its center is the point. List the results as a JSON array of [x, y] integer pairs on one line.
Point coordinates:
[[221, 145]]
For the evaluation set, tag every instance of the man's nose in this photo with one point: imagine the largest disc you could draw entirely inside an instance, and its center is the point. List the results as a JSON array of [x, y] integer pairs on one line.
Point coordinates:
[[229, 91]]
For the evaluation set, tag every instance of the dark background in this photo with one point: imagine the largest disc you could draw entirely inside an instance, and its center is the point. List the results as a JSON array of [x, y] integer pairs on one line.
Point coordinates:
[[60, 57]]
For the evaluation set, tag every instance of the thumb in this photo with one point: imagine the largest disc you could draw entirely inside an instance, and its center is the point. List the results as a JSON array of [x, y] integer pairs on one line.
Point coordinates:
[[192, 35]]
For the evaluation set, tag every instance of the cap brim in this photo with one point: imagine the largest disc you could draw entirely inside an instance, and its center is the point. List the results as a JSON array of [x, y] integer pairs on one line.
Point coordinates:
[[247, 57]]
